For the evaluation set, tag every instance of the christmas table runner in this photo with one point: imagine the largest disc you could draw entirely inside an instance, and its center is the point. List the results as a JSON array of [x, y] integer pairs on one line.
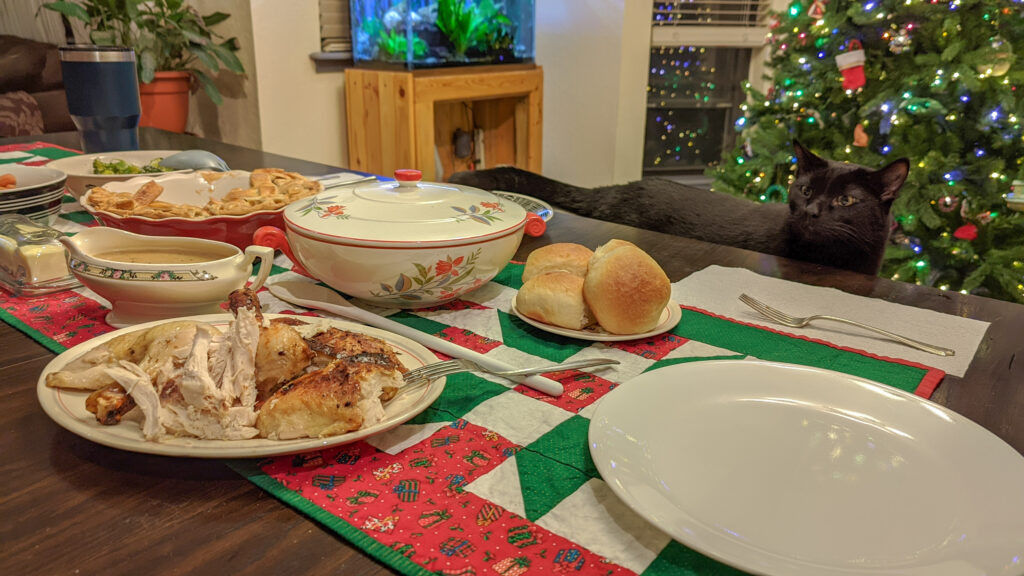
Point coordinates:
[[33, 154], [492, 478]]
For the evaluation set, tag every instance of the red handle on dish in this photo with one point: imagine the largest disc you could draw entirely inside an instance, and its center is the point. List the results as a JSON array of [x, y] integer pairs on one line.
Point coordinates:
[[408, 175], [274, 237], [535, 225]]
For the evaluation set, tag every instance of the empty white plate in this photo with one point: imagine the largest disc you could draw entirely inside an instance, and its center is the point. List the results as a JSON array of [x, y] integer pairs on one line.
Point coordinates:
[[783, 469]]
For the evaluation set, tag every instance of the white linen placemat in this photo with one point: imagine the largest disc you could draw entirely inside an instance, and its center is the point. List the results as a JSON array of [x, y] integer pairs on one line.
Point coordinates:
[[717, 289]]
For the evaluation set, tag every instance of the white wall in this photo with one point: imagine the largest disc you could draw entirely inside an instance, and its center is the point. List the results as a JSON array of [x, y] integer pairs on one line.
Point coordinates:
[[237, 120], [595, 56], [301, 113]]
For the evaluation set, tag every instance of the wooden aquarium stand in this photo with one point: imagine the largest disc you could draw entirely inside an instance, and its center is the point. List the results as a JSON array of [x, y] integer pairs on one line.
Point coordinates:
[[398, 119]]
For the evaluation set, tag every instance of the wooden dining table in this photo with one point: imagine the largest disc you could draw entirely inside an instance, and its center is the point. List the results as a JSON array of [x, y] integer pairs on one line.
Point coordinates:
[[70, 506]]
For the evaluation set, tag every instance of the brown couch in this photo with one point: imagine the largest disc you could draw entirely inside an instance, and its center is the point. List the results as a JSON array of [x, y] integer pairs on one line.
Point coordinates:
[[30, 72]]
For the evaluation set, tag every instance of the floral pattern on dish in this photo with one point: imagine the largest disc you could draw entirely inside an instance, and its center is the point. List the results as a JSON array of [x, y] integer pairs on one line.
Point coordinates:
[[447, 279], [142, 275], [484, 213], [326, 207]]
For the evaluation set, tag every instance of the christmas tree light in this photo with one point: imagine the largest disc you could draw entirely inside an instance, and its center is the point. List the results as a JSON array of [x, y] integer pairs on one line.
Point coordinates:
[[937, 82]]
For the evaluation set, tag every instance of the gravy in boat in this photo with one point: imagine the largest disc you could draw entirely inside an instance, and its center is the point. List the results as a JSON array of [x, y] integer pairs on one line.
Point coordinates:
[[161, 256]]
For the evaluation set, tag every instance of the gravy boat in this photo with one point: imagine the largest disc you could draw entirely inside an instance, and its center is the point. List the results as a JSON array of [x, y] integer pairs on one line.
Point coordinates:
[[143, 292]]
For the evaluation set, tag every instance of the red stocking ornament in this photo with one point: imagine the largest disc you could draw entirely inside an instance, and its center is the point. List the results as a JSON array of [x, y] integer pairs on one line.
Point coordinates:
[[851, 64]]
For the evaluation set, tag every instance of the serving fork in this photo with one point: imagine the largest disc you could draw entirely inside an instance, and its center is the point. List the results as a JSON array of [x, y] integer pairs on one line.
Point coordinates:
[[798, 322], [421, 376]]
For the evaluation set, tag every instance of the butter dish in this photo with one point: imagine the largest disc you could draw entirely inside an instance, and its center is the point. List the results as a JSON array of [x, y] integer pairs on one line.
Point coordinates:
[[32, 261]]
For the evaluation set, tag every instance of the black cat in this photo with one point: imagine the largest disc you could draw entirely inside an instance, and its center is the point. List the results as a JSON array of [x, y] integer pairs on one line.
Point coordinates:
[[838, 214]]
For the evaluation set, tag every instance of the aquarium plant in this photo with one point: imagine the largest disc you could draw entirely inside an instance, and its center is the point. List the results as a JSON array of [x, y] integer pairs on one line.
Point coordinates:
[[393, 43], [470, 25]]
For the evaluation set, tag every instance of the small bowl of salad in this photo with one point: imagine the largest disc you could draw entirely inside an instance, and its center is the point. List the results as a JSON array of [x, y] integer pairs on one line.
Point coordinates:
[[90, 170]]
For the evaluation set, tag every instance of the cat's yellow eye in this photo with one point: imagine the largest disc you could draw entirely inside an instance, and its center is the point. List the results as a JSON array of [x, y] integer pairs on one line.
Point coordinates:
[[845, 200], [805, 190]]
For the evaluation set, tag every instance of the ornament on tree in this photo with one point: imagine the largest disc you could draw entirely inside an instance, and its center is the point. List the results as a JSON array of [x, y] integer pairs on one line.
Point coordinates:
[[860, 137], [817, 9], [1002, 58], [900, 41], [851, 64], [1015, 199], [948, 203], [966, 232]]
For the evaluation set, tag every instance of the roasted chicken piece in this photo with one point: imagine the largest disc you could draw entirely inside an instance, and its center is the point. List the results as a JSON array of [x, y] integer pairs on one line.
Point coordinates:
[[191, 379], [147, 348], [109, 404], [334, 344], [282, 355], [339, 398]]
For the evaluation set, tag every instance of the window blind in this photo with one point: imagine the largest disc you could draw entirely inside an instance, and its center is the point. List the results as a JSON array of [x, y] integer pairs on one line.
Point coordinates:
[[26, 19], [735, 23], [335, 26]]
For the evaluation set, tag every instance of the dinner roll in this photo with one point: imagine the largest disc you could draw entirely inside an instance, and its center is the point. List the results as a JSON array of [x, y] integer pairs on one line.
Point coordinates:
[[572, 258], [625, 288], [555, 298]]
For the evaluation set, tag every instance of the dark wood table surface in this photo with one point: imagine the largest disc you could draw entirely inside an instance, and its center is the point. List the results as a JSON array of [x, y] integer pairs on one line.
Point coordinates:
[[69, 506]]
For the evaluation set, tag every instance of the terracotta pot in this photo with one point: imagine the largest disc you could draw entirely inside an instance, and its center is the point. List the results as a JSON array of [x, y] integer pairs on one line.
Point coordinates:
[[165, 101]]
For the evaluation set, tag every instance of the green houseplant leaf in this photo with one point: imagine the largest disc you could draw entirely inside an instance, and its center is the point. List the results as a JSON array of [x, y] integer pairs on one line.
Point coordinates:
[[69, 9], [167, 35]]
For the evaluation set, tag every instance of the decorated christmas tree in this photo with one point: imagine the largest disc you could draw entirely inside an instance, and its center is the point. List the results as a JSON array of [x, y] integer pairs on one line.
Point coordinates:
[[937, 82]]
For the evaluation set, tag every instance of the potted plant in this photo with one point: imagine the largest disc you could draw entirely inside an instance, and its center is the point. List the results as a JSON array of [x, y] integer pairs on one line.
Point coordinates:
[[174, 46]]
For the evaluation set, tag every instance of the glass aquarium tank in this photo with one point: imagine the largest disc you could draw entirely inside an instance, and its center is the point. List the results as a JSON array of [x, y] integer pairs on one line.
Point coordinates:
[[413, 34]]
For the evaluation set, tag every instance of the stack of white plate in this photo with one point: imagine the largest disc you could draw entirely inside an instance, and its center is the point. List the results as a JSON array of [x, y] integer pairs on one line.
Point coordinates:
[[37, 194]]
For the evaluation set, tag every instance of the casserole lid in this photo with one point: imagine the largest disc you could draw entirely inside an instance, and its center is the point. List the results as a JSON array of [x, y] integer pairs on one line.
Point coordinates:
[[405, 210]]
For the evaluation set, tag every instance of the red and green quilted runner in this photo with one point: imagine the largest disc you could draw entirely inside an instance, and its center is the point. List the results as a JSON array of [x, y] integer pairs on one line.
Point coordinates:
[[491, 478]]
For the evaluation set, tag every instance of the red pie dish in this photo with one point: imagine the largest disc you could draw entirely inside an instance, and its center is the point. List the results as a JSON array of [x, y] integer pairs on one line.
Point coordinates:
[[186, 193]]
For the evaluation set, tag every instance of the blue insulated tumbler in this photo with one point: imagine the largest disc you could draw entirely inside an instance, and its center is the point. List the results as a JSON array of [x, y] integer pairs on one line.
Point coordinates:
[[103, 96]]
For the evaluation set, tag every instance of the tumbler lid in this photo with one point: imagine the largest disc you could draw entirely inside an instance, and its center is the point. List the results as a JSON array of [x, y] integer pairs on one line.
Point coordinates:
[[91, 53]]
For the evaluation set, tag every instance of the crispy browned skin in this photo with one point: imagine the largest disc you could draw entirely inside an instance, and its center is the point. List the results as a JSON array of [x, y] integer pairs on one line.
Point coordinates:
[[320, 403], [281, 355], [289, 321], [353, 348], [109, 404], [245, 298], [334, 344]]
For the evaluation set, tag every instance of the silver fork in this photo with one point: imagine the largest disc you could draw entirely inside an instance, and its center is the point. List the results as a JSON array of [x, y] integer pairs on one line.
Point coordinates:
[[797, 322], [418, 377]]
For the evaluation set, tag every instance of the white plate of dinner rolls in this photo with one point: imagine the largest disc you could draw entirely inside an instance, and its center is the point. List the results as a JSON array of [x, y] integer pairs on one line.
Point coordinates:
[[616, 292]]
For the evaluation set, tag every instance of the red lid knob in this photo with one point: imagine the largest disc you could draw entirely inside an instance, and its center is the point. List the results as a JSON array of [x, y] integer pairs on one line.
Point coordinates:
[[535, 225], [408, 175]]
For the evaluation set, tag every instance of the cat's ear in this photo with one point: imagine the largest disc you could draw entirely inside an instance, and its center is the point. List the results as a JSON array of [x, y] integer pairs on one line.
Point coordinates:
[[806, 161], [891, 178]]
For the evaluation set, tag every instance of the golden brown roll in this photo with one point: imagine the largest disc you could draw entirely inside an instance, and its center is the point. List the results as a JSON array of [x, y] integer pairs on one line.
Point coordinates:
[[625, 288], [572, 258], [555, 298]]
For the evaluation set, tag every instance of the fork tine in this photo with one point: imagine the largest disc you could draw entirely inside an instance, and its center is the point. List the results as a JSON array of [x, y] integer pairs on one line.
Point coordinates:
[[766, 310], [431, 370], [782, 316], [754, 303]]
